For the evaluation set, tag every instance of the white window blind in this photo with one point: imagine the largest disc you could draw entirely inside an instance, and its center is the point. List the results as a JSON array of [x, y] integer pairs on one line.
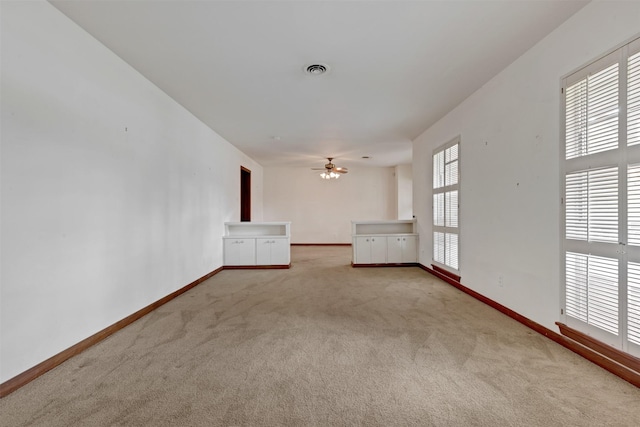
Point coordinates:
[[601, 181], [592, 114], [633, 100], [633, 205], [633, 303], [592, 205], [446, 177], [592, 290]]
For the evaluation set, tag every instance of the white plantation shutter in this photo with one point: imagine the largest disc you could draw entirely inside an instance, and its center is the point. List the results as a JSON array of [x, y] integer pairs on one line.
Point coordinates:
[[438, 247], [592, 205], [451, 165], [633, 302], [576, 119], [601, 259], [576, 286], [633, 205], [576, 205], [446, 177], [451, 208], [438, 209], [592, 113], [451, 248], [592, 290], [633, 100], [438, 170]]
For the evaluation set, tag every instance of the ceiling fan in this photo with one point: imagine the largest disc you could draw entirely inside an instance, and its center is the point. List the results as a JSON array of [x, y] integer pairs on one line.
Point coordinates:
[[330, 171]]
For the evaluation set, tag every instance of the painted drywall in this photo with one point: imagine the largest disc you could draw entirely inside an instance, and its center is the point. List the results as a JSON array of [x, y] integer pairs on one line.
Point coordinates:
[[320, 210], [113, 195], [510, 157], [404, 191]]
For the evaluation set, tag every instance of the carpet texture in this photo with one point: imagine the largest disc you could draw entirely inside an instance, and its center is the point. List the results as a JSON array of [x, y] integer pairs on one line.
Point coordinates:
[[324, 344]]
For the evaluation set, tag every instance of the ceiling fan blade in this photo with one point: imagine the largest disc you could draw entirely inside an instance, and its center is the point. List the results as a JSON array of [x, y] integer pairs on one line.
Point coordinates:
[[341, 170], [318, 169]]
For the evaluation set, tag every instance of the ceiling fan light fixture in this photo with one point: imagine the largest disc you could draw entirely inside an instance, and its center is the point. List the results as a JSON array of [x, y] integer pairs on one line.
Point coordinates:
[[330, 171], [329, 175]]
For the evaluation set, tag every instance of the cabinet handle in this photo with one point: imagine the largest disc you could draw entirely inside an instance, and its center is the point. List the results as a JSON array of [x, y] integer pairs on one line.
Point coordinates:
[[373, 240], [367, 240], [398, 239], [404, 239]]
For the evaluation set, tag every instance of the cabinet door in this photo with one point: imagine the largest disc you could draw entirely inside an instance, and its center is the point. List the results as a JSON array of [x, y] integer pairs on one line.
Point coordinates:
[[363, 250], [394, 250], [378, 250], [280, 251], [263, 251], [239, 252], [409, 249]]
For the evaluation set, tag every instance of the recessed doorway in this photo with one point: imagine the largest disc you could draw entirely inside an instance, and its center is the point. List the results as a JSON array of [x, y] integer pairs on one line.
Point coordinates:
[[245, 194]]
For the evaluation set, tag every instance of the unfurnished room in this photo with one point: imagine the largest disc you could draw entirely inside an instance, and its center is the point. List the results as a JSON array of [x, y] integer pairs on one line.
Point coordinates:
[[319, 213]]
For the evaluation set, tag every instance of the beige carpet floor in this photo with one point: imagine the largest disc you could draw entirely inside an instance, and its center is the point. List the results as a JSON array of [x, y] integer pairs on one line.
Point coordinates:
[[324, 344]]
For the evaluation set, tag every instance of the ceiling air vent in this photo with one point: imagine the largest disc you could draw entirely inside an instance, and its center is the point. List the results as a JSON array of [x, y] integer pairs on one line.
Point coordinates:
[[316, 69]]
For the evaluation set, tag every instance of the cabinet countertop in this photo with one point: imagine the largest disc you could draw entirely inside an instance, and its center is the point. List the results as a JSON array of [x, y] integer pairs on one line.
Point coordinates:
[[384, 234], [253, 236]]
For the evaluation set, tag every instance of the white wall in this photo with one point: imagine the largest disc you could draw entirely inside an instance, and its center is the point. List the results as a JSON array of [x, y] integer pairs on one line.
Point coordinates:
[[113, 195], [321, 210], [404, 191], [510, 179]]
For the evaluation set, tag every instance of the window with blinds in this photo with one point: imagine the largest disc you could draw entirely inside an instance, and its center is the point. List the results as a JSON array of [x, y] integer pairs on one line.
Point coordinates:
[[446, 181], [601, 215]]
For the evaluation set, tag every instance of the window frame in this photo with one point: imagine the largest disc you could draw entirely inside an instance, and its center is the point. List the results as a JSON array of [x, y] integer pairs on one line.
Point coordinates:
[[623, 157], [443, 190]]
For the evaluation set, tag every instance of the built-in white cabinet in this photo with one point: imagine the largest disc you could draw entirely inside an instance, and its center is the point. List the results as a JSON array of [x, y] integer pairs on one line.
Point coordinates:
[[402, 249], [257, 244], [384, 242], [273, 251], [371, 249], [239, 251]]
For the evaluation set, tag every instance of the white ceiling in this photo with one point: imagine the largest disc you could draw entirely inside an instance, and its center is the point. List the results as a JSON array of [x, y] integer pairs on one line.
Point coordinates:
[[396, 67]]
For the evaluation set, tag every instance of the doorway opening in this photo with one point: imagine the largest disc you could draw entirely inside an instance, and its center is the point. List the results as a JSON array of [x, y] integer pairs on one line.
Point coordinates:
[[245, 194]]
